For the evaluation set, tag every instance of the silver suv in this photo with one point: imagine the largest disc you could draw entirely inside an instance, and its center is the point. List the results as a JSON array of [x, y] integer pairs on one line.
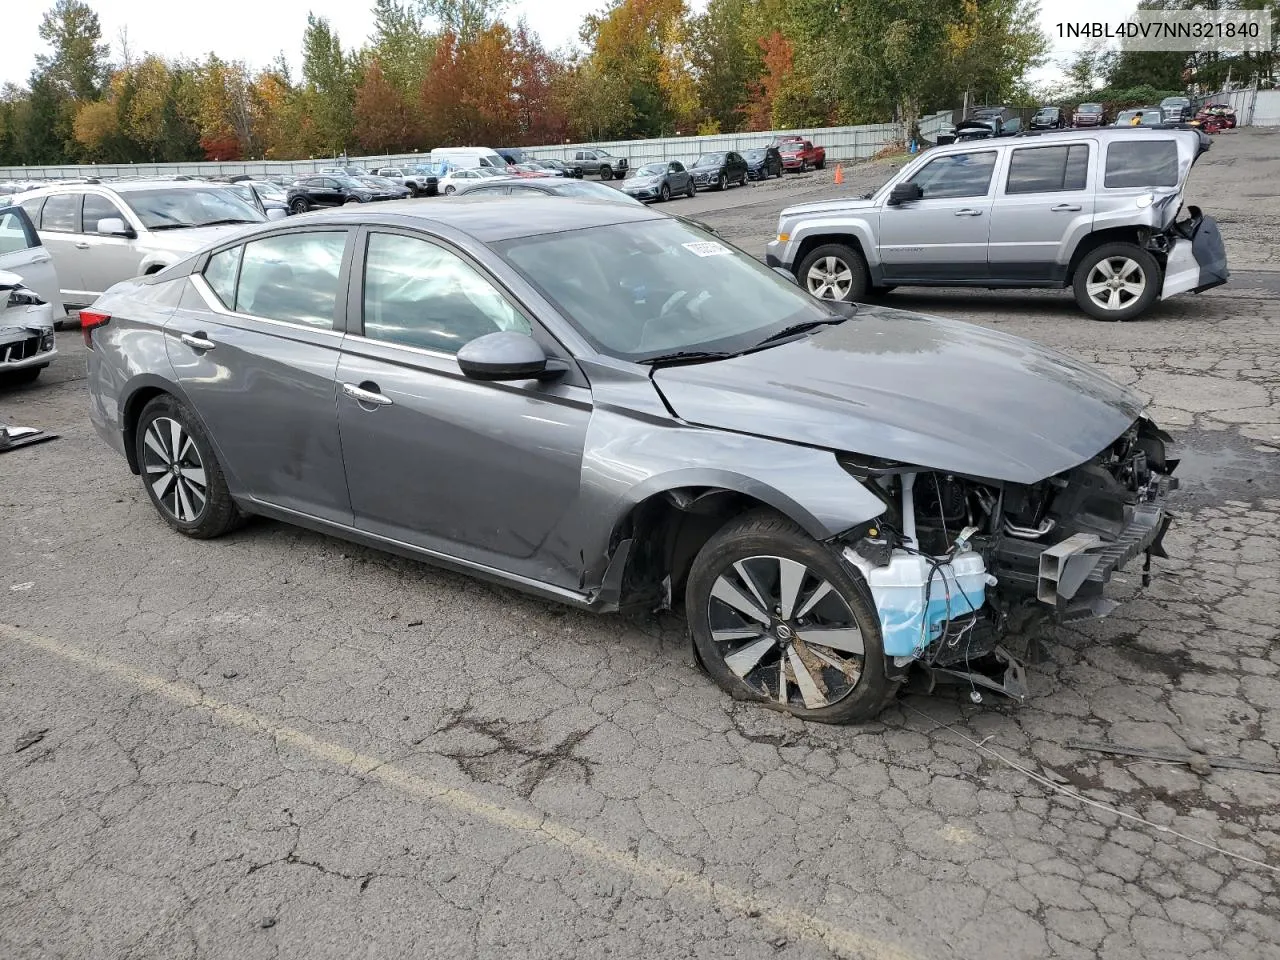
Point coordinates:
[[101, 233], [1095, 210]]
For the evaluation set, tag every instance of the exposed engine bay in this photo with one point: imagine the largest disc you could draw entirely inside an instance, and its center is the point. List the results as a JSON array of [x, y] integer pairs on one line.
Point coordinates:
[[959, 564]]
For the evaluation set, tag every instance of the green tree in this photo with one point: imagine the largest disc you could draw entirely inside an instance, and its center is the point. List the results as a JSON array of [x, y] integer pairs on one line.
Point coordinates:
[[400, 44], [78, 64], [328, 82], [726, 59]]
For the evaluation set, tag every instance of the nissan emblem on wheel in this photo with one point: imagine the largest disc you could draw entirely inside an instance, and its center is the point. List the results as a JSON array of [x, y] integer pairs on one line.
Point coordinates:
[[669, 424]]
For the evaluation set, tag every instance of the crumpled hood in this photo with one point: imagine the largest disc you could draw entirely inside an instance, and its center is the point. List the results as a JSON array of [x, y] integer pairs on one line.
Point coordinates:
[[925, 391]]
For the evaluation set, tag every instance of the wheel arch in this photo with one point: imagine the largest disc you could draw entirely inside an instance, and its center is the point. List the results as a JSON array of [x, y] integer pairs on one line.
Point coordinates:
[[819, 237], [1135, 235]]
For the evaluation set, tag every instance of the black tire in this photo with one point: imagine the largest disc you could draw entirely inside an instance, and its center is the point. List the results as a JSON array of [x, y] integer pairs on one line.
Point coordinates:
[[1135, 263], [821, 164], [606, 173], [413, 190], [804, 166], [350, 200], [879, 293], [846, 258], [218, 514], [20, 378], [665, 193], [778, 171], [762, 537], [450, 190], [299, 205], [722, 183], [692, 189]]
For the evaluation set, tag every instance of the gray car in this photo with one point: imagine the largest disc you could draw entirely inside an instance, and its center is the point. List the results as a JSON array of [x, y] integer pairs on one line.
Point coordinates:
[[1092, 210], [838, 494], [99, 234], [659, 181]]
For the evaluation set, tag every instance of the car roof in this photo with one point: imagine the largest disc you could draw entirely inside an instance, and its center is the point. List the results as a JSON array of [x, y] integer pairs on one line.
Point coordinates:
[[482, 218], [129, 186]]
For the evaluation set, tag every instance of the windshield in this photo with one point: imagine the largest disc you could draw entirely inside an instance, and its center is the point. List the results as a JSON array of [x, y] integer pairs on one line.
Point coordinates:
[[642, 290], [1089, 108], [652, 170], [753, 155], [709, 160], [351, 183], [183, 207], [590, 190], [1047, 111], [269, 191]]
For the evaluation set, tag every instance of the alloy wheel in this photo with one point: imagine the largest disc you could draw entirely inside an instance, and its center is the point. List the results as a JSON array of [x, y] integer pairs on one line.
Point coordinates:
[[1116, 282], [172, 466], [829, 279], [785, 632]]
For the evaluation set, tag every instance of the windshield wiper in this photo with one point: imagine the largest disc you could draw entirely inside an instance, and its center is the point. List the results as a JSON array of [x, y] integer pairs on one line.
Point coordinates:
[[687, 356], [171, 226], [797, 328], [219, 223]]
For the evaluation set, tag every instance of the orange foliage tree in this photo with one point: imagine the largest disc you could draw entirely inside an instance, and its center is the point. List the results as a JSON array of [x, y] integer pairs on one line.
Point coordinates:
[[384, 121]]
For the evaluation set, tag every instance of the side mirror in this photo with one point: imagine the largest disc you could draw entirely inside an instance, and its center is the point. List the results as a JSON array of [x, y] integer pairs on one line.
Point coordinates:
[[905, 193], [114, 227], [505, 355], [784, 272], [277, 213]]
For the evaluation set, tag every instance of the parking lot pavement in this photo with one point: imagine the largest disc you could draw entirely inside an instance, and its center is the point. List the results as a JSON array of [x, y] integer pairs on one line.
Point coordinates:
[[281, 745]]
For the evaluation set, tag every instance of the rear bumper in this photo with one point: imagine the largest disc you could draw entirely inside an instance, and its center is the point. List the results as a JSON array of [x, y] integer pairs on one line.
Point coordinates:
[[1196, 256]]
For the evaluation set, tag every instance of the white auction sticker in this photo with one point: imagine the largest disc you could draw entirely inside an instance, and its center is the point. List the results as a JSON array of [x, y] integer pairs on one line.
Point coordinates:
[[707, 248]]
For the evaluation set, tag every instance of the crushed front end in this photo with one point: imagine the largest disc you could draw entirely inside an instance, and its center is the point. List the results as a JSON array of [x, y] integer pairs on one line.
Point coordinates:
[[960, 567]]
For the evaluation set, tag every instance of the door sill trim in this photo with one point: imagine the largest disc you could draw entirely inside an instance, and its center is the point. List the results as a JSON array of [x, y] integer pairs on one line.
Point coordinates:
[[456, 564]]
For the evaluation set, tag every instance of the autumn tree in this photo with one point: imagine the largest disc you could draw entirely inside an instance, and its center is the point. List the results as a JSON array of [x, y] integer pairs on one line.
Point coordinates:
[[384, 122], [627, 41]]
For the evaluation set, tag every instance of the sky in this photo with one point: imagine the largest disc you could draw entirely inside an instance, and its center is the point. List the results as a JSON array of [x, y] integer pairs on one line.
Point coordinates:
[[256, 30]]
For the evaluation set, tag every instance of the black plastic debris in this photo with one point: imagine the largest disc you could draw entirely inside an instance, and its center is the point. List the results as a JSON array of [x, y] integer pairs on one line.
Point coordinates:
[[12, 437]]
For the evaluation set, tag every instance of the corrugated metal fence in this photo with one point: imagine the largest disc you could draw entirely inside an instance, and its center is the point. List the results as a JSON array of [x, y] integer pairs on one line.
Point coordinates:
[[841, 143]]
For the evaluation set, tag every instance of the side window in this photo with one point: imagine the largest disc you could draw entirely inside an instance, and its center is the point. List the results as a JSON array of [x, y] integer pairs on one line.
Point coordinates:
[[292, 277], [1138, 163], [221, 273], [957, 175], [420, 295], [16, 232], [1048, 169], [61, 211], [33, 208], [98, 208], [677, 166]]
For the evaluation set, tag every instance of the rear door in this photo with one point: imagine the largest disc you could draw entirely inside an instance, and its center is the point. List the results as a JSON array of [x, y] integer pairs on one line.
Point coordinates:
[[21, 252], [107, 259], [255, 344], [59, 232], [1044, 205], [943, 236]]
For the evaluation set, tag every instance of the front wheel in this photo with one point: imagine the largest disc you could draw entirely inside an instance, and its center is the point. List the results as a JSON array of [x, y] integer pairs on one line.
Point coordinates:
[[298, 206], [181, 475], [413, 190], [804, 166], [834, 272], [606, 173], [665, 193], [450, 190], [19, 378], [722, 182], [778, 618], [1116, 281]]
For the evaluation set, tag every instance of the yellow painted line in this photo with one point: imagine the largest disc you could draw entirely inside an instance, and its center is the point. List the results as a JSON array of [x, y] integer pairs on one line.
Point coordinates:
[[795, 923]]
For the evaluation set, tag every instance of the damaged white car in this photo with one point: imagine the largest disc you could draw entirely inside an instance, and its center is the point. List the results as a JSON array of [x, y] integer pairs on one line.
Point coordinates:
[[28, 300]]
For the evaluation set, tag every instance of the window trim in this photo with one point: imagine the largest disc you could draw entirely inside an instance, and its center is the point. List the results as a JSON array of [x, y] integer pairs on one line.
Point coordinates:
[[996, 163], [1088, 160]]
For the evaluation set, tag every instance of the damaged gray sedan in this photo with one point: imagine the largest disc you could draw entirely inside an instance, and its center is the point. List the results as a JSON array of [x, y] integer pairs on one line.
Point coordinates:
[[837, 495]]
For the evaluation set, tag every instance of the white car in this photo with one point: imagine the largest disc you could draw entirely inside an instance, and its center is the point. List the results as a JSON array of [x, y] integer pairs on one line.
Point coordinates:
[[99, 234], [455, 180], [28, 300]]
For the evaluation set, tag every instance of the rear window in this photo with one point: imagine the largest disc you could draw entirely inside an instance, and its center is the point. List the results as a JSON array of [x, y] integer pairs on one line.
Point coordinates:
[[1048, 169], [1142, 163], [60, 213]]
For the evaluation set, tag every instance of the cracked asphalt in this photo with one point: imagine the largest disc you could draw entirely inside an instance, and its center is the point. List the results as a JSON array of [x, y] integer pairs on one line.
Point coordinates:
[[281, 745]]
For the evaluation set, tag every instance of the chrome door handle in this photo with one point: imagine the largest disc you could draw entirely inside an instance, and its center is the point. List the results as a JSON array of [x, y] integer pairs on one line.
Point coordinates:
[[968, 212], [362, 395], [197, 341], [1064, 207], [82, 245]]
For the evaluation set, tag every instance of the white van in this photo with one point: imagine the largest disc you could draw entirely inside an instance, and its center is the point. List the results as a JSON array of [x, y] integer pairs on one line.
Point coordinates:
[[465, 158]]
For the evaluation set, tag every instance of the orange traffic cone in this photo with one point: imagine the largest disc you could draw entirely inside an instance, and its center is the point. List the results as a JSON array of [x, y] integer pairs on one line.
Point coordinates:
[[839, 174]]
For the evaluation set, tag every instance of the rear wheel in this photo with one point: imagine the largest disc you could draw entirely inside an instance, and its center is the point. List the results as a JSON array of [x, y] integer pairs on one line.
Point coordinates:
[[691, 190], [834, 272], [821, 164], [777, 618], [1116, 281], [450, 190], [181, 475]]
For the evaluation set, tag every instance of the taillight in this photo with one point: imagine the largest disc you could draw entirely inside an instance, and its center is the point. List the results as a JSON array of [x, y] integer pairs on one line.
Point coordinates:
[[89, 319]]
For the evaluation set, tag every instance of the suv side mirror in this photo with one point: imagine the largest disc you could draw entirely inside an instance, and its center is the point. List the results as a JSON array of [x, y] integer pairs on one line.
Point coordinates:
[[505, 355], [114, 227], [905, 193]]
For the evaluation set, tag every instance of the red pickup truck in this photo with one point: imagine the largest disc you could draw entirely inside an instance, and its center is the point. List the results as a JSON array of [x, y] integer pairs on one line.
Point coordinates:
[[800, 154]]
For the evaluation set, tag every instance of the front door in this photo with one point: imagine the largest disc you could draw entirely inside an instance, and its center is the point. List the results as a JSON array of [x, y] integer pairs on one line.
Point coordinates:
[[22, 253], [107, 259], [484, 472], [1044, 205], [59, 232], [255, 346], [943, 236]]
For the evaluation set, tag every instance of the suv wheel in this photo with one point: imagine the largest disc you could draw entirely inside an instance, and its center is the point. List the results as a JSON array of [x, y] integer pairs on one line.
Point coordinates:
[[834, 272], [606, 173], [665, 193], [299, 205], [1116, 281], [722, 182], [777, 618]]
